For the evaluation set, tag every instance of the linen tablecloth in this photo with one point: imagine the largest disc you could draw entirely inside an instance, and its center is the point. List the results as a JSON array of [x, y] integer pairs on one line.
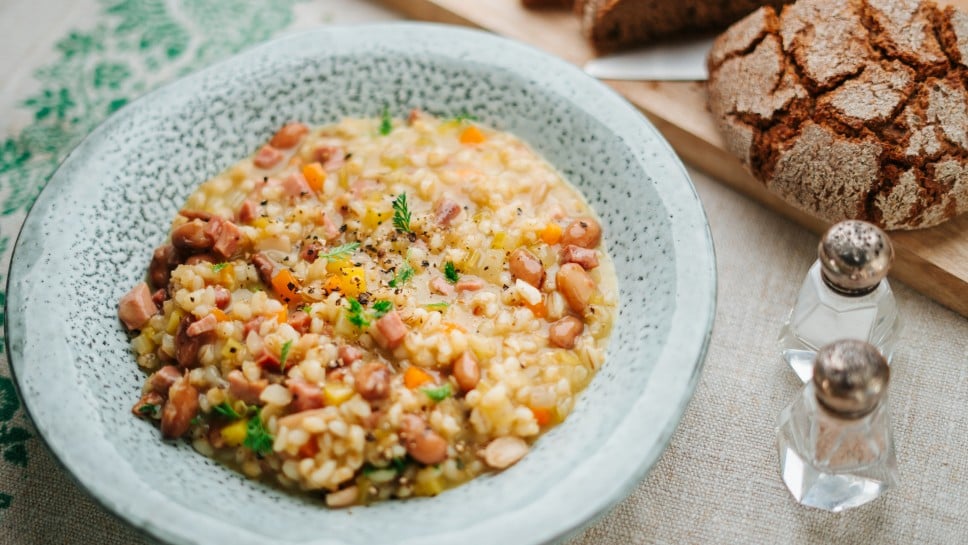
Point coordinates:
[[67, 65]]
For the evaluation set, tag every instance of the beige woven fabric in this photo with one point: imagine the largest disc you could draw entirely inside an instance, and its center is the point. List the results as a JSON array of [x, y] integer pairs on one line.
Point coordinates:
[[718, 481]]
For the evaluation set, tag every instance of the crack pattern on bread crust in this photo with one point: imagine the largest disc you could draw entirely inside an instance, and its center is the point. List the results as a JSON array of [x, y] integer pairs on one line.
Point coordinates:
[[850, 108]]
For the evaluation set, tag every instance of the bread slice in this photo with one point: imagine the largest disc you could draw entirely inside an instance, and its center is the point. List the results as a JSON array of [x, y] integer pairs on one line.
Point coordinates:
[[615, 24], [850, 108]]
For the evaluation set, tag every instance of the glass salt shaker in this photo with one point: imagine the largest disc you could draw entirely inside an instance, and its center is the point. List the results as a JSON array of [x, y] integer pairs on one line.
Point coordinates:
[[835, 441], [844, 296]]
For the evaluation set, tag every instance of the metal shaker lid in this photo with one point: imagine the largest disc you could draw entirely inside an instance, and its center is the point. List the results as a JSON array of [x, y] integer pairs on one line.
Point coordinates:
[[850, 377], [855, 256]]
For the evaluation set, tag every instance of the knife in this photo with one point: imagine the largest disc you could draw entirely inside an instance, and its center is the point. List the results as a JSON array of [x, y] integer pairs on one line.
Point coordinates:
[[679, 61]]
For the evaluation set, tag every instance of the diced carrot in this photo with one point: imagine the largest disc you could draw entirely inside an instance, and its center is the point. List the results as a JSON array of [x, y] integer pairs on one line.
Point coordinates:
[[472, 135], [220, 315], [415, 376], [551, 233], [315, 176], [283, 315], [541, 415], [286, 285], [539, 310]]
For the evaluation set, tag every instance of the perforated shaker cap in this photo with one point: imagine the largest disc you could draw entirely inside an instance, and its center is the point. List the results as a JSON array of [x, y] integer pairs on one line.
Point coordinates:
[[850, 377], [855, 256]]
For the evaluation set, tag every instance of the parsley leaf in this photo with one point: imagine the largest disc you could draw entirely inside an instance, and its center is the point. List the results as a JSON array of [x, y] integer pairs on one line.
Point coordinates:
[[440, 393], [403, 275], [308, 309], [464, 116], [257, 437], [219, 266], [386, 122], [149, 409], [381, 307], [450, 272], [341, 251], [442, 305], [225, 409], [401, 214], [357, 316], [284, 354], [196, 420]]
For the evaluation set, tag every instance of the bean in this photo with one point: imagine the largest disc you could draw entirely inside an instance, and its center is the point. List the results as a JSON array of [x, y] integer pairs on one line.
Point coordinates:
[[422, 443], [191, 237], [575, 285], [467, 372], [505, 451], [373, 381], [524, 265], [342, 498], [584, 232], [565, 331], [187, 346], [289, 135], [181, 407], [265, 267], [163, 261]]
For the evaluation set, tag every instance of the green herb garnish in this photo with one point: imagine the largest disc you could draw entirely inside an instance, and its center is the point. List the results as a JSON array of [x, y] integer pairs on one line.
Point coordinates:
[[381, 307], [196, 420], [149, 409], [464, 116], [308, 309], [357, 314], [284, 354], [341, 251], [219, 266], [450, 272], [257, 438], [442, 305], [400, 463], [403, 275], [225, 409], [386, 122], [401, 214], [440, 393]]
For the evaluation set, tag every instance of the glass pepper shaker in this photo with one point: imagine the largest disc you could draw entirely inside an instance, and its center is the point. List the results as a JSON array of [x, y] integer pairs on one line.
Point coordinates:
[[835, 441], [844, 296]]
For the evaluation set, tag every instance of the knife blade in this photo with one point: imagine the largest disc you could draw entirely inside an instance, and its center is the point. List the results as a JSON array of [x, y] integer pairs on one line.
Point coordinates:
[[680, 61]]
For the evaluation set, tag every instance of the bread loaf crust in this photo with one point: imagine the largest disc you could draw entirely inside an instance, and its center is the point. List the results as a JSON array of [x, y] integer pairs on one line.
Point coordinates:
[[850, 108]]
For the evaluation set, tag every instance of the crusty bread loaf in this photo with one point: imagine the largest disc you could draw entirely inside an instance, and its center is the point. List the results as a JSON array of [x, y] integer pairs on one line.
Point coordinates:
[[614, 24], [850, 108]]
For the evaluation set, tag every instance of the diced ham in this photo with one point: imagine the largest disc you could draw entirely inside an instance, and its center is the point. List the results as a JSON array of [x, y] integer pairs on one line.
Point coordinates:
[[391, 330], [300, 321], [414, 115], [152, 399], [163, 261], [249, 211], [222, 297], [265, 267], [295, 185], [305, 396], [161, 380], [441, 286], [253, 325], [228, 240], [349, 354], [445, 211], [586, 257], [204, 325], [187, 346], [267, 157], [269, 362], [241, 388], [469, 282], [330, 230], [332, 157], [159, 296], [310, 251], [289, 135], [180, 409], [137, 307]]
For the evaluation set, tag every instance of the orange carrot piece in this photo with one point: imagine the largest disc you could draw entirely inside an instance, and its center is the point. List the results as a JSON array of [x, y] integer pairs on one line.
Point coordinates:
[[472, 135], [541, 415], [415, 376], [539, 310], [220, 315], [283, 315], [286, 285], [551, 233], [315, 176]]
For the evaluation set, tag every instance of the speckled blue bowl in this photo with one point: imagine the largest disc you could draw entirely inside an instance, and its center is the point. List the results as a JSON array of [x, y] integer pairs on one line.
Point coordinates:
[[90, 235]]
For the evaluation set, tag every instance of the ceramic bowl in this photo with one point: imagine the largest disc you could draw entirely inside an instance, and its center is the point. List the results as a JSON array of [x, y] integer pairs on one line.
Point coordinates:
[[91, 233]]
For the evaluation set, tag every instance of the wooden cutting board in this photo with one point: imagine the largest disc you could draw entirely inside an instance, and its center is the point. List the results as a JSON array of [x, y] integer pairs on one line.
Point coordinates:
[[933, 261]]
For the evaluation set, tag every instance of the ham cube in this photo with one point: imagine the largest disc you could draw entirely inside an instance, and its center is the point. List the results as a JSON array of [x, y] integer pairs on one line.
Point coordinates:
[[137, 307], [391, 330]]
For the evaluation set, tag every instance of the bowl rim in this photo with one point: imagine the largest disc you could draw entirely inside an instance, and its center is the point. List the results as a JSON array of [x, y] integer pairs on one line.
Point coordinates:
[[699, 273]]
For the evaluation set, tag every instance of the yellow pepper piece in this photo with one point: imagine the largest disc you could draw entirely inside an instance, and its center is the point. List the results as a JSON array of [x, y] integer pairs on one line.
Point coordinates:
[[350, 281], [172, 326], [315, 176], [336, 393], [334, 267], [260, 223], [234, 433], [372, 217], [551, 233], [497, 242], [429, 482]]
